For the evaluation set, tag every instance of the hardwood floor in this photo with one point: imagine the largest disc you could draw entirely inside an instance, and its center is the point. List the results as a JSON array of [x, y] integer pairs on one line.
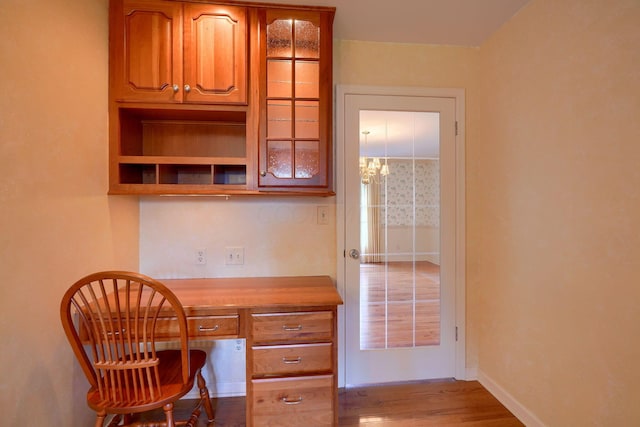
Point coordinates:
[[400, 305], [442, 403], [429, 403]]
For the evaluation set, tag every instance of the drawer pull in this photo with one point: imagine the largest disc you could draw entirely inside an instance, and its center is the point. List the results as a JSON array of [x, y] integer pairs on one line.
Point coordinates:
[[203, 329], [297, 401], [292, 361], [292, 328]]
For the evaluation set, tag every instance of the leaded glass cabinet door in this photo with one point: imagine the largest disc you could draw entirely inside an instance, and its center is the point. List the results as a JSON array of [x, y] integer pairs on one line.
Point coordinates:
[[295, 138]]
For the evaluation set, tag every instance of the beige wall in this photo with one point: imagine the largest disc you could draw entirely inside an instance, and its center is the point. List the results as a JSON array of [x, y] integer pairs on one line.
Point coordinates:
[[555, 186], [552, 201], [56, 221]]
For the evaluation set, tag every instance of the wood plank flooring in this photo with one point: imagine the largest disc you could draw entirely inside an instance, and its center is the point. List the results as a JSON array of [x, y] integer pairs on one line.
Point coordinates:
[[442, 403], [429, 403]]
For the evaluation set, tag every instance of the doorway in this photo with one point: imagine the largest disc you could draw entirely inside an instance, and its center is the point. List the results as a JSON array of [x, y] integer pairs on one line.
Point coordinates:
[[399, 225]]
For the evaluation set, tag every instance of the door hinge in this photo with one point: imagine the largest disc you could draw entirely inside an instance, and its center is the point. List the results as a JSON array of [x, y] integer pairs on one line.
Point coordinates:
[[456, 333], [456, 128], [344, 253]]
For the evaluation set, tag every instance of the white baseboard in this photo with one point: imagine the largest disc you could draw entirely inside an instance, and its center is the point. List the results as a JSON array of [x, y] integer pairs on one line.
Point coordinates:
[[513, 405], [471, 374], [221, 390]]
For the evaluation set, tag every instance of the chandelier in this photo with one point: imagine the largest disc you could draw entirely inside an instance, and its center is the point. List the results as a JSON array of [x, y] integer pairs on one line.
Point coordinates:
[[371, 167]]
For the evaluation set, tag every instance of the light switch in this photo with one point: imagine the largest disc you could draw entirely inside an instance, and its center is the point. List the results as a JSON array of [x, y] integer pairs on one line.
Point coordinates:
[[323, 215]]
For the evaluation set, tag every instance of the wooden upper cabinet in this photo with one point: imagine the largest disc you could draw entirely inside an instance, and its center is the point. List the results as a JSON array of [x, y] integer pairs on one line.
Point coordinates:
[[220, 98], [296, 112], [178, 52], [215, 53]]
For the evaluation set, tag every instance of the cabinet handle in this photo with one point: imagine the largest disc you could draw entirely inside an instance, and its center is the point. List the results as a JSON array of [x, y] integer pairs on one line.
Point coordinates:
[[287, 401], [187, 88], [263, 173], [175, 88], [292, 361], [291, 328], [203, 329]]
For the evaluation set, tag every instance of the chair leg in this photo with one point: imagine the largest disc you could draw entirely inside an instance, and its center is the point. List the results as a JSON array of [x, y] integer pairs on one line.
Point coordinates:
[[193, 419], [204, 397], [168, 412], [100, 416]]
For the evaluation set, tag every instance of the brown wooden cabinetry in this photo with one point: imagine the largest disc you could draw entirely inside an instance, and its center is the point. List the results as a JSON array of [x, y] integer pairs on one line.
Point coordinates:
[[217, 98], [291, 368], [177, 151], [290, 326], [166, 51], [295, 126]]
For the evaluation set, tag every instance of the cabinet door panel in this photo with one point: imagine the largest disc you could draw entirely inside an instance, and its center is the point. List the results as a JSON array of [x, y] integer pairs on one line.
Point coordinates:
[[147, 41], [215, 66]]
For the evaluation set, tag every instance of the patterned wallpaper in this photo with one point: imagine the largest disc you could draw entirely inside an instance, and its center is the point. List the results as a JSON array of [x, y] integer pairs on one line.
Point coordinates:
[[399, 193]]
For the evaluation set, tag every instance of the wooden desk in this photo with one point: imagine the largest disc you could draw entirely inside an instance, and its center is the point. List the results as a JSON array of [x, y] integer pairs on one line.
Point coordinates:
[[290, 324]]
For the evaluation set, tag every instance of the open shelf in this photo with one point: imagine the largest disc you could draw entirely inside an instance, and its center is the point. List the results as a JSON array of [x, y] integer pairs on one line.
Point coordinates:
[[182, 148]]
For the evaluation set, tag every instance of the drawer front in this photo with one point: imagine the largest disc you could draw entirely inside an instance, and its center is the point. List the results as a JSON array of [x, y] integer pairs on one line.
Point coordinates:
[[292, 327], [293, 402], [292, 359], [200, 327]]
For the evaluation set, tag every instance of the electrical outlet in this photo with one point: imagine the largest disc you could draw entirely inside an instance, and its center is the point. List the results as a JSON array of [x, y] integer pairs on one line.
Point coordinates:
[[239, 345], [234, 255], [201, 256]]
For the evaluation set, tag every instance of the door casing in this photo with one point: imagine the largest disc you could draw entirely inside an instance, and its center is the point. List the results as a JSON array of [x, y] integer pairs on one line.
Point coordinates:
[[458, 95]]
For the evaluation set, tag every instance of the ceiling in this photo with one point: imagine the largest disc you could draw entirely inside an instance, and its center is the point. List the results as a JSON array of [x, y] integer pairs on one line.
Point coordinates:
[[439, 22], [443, 22]]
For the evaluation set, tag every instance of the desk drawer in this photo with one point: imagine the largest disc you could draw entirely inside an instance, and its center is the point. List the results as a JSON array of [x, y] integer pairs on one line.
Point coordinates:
[[292, 327], [200, 327], [293, 402], [292, 359]]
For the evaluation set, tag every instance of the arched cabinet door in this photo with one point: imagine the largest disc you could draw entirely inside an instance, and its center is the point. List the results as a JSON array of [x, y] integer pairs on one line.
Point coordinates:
[[215, 53], [146, 44], [295, 127]]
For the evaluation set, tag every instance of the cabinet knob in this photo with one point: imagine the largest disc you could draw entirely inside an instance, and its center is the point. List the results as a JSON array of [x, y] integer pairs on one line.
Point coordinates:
[[187, 88], [175, 88], [263, 173]]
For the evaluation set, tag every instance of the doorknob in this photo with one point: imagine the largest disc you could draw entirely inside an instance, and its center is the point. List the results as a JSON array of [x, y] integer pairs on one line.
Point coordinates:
[[354, 253]]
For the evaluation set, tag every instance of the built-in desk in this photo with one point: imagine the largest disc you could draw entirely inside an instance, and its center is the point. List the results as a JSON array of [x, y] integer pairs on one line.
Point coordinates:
[[290, 324]]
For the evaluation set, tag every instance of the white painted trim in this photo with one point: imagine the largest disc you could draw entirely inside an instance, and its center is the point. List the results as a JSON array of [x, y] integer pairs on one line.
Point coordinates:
[[458, 95], [461, 235], [527, 417], [472, 374], [226, 389], [339, 139]]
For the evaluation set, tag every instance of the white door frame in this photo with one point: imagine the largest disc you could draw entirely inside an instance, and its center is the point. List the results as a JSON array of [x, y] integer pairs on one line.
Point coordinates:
[[460, 252]]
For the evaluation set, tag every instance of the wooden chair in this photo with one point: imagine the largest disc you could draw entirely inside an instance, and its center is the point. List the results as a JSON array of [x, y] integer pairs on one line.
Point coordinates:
[[112, 320]]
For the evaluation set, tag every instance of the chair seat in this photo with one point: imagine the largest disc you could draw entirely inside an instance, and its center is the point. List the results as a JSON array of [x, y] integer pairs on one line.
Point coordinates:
[[170, 377]]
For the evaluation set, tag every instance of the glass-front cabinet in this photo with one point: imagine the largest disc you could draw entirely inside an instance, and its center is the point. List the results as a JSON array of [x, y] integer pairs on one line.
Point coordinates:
[[295, 137]]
